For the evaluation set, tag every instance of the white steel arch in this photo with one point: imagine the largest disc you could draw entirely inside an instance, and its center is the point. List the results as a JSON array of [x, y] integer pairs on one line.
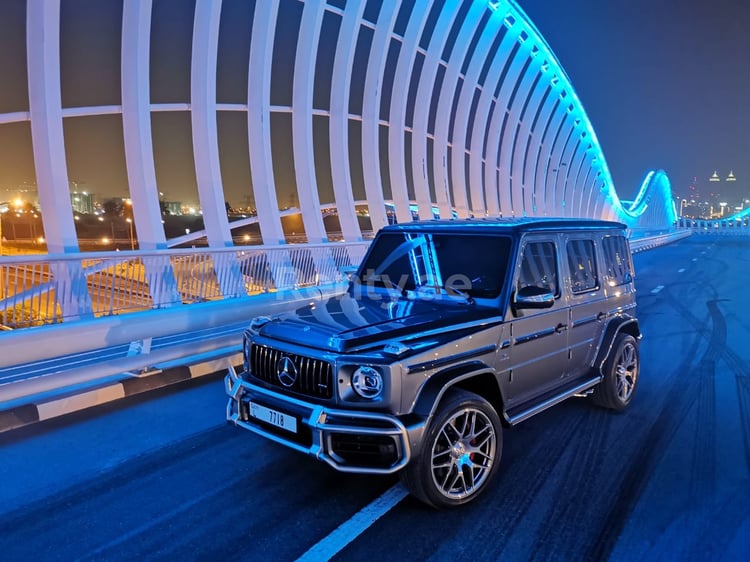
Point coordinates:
[[302, 121], [371, 112], [259, 121], [463, 117], [203, 113], [339, 129], [45, 111], [136, 125], [531, 148], [445, 115], [397, 115], [493, 123], [420, 125]]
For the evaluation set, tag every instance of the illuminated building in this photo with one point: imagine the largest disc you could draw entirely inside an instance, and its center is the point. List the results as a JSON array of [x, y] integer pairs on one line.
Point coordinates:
[[82, 202]]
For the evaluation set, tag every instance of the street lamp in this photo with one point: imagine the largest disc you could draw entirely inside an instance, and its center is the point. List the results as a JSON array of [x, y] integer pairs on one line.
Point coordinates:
[[1, 231], [2, 273], [4, 209], [132, 239]]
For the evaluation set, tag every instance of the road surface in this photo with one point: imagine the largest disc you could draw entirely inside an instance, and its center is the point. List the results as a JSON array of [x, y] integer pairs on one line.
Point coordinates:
[[162, 477]]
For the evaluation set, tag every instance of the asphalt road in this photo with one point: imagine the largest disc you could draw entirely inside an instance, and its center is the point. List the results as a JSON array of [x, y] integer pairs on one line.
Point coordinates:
[[162, 477]]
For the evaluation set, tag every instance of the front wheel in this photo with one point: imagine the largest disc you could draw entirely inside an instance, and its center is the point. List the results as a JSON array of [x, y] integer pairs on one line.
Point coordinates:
[[621, 372], [460, 452]]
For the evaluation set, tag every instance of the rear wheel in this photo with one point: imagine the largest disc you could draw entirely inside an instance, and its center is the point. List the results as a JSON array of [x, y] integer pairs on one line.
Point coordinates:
[[460, 452], [621, 372]]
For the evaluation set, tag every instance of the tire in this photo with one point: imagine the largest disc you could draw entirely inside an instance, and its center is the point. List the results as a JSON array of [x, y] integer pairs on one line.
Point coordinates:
[[460, 452], [621, 371]]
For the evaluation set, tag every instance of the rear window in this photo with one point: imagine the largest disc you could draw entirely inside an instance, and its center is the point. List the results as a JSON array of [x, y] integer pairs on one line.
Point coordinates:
[[618, 260], [582, 264]]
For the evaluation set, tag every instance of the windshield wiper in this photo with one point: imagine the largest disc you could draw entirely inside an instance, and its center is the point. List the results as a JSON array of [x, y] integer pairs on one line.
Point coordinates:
[[389, 284], [467, 297], [450, 291]]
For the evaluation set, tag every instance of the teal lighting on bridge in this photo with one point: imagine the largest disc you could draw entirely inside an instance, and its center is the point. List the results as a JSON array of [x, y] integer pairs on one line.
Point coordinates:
[[738, 216], [655, 192], [655, 188]]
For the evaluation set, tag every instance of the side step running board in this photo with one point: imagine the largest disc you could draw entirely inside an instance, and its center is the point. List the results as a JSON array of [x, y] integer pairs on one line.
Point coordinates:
[[548, 403]]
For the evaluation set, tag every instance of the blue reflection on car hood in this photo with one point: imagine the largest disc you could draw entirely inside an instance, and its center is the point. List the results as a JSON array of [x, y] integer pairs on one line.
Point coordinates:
[[346, 323]]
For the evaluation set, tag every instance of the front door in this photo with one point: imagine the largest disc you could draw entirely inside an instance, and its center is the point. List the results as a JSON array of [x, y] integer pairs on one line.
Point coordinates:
[[539, 337]]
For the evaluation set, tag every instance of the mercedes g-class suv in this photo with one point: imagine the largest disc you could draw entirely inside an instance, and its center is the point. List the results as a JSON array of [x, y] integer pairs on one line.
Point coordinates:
[[448, 332]]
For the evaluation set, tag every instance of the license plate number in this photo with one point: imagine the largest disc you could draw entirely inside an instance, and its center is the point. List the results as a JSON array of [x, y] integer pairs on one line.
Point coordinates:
[[274, 417]]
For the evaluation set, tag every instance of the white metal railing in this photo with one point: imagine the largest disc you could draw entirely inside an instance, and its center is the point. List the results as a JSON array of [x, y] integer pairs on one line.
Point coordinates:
[[39, 290], [80, 355], [650, 242], [721, 227]]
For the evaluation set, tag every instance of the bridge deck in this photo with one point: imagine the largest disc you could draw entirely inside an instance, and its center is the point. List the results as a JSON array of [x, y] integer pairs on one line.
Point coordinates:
[[162, 476]]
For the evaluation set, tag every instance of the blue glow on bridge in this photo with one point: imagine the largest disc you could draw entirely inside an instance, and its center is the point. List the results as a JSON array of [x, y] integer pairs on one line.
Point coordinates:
[[655, 189]]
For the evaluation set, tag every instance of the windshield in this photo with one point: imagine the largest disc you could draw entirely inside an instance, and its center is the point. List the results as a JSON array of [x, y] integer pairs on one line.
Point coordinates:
[[458, 264]]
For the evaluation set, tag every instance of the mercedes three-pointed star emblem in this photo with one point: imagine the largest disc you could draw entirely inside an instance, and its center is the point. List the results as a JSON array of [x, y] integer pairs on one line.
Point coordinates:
[[286, 371]]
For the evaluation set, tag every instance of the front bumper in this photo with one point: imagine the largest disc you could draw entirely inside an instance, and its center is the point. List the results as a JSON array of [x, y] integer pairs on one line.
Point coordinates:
[[349, 441]]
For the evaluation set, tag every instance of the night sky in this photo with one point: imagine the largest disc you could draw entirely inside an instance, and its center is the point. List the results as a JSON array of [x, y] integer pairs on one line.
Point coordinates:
[[665, 85]]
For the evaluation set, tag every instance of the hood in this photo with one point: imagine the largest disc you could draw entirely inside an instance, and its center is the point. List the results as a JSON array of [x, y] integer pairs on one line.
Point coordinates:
[[346, 324]]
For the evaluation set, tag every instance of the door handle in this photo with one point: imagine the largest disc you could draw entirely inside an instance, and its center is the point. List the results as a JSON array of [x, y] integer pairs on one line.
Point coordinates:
[[601, 316], [561, 327]]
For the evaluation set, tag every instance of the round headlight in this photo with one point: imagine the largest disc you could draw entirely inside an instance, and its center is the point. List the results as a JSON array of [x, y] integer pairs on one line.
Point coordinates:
[[367, 382]]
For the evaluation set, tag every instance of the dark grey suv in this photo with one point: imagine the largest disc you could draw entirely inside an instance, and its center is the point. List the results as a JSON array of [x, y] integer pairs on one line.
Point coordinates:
[[448, 332]]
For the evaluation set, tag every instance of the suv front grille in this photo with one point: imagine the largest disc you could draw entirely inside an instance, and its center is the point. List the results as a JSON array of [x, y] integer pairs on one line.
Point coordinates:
[[314, 377]]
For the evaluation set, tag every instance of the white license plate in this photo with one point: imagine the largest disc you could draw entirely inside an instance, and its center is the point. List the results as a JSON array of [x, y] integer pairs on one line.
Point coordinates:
[[275, 418]]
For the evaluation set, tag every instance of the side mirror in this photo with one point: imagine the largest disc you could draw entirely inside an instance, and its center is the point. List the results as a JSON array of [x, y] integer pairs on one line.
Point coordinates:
[[533, 297]]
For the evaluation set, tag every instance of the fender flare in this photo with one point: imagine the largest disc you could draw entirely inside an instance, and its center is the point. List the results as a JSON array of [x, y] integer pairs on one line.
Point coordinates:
[[437, 385], [624, 323]]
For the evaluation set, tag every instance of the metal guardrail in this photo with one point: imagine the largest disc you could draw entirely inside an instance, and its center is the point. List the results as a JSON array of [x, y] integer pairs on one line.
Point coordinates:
[[41, 290], [650, 242], [733, 232], [80, 355], [733, 226]]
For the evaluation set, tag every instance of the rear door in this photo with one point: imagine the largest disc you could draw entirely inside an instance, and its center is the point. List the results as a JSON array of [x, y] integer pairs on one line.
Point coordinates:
[[587, 300]]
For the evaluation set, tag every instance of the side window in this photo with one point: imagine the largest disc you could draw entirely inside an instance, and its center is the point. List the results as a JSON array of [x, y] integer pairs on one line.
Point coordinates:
[[582, 263], [539, 267], [619, 263]]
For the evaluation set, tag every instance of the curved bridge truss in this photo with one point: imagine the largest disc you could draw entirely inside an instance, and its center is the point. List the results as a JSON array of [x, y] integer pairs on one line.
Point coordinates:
[[653, 206], [429, 108]]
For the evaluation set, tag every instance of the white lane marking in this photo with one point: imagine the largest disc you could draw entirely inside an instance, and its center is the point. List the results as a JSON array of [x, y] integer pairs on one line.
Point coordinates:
[[345, 533], [657, 289], [681, 270]]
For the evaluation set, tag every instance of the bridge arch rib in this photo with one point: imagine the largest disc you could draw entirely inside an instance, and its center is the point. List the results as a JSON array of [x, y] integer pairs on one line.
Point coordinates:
[[396, 109]]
